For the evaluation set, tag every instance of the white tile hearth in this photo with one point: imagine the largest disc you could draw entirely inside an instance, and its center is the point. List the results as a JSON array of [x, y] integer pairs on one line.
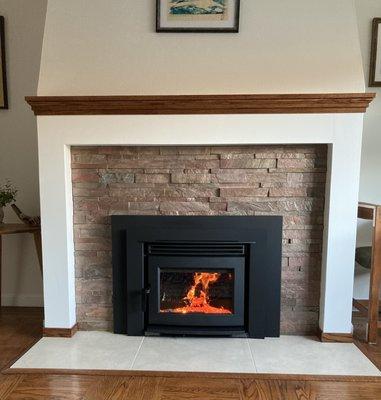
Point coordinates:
[[304, 355], [86, 350], [194, 355], [284, 355]]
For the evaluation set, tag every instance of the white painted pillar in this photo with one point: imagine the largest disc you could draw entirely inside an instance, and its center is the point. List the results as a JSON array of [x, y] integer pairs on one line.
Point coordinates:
[[340, 225], [57, 232]]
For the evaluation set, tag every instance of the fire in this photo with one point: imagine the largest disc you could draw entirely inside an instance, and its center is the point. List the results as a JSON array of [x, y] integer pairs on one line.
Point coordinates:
[[197, 298]]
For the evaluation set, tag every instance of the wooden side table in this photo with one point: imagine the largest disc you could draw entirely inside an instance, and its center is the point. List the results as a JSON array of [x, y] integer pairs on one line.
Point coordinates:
[[11, 229], [371, 308]]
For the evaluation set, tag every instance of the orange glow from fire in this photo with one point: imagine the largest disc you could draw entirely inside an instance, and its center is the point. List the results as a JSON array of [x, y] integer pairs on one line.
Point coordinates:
[[197, 298]]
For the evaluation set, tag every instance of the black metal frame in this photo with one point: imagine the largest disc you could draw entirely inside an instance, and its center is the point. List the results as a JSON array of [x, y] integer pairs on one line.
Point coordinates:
[[234, 29], [3, 64], [261, 234], [374, 54]]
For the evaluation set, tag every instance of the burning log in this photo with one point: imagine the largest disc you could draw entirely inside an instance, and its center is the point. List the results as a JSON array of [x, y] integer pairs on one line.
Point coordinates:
[[197, 297]]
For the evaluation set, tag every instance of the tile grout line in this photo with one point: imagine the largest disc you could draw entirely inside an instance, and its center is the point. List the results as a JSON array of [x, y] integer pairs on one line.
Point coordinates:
[[251, 355], [137, 352]]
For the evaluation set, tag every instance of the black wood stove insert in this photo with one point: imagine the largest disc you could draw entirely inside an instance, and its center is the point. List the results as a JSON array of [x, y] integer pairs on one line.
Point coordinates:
[[197, 275]]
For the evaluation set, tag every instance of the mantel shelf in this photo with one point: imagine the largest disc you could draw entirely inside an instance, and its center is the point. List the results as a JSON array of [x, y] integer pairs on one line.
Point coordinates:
[[202, 104]]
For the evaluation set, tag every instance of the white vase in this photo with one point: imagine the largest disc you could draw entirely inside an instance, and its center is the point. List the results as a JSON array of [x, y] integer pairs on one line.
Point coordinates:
[[1, 215]]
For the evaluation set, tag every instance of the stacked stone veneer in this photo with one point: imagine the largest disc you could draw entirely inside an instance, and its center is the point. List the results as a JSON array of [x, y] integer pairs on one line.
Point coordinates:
[[237, 180]]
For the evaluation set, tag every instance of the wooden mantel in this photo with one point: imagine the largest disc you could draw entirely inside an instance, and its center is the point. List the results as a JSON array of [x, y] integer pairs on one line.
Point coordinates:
[[203, 104]]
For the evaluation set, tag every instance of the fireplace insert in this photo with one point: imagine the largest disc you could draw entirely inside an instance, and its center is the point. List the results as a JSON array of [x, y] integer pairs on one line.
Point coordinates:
[[197, 275], [195, 284]]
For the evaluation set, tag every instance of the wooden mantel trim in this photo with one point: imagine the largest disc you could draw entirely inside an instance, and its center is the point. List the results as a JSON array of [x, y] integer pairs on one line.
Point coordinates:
[[203, 104]]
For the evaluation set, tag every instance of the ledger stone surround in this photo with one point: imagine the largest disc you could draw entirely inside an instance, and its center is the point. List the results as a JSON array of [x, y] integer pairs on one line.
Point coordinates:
[[200, 180]]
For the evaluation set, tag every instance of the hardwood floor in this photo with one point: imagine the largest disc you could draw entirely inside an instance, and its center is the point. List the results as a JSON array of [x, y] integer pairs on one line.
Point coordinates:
[[19, 328], [372, 351]]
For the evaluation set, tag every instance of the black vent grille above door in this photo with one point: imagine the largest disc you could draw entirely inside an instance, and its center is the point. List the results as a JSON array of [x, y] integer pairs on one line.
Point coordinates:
[[196, 248]]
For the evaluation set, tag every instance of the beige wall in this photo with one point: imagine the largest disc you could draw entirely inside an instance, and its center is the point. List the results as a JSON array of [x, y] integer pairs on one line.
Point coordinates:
[[102, 47], [370, 187], [370, 182], [24, 21]]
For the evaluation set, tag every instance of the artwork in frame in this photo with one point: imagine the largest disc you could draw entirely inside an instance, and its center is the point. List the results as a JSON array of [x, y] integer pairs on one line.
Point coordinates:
[[375, 57], [3, 80], [197, 15]]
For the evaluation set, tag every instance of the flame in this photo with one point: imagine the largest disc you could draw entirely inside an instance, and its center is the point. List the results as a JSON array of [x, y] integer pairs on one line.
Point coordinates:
[[197, 298]]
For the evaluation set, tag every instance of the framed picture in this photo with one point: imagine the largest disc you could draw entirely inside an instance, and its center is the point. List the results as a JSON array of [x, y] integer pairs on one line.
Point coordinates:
[[3, 80], [197, 15], [375, 56]]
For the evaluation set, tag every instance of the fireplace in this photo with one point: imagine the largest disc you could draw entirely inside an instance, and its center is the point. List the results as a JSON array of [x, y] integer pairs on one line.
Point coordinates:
[[77, 266], [197, 275]]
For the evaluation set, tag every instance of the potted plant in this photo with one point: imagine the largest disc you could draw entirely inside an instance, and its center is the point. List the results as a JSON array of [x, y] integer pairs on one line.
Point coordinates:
[[7, 196]]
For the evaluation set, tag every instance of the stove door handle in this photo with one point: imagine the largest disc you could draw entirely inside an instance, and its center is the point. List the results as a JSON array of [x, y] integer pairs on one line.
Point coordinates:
[[146, 292]]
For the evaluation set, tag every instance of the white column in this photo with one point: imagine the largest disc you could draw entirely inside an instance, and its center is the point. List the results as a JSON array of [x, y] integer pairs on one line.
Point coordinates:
[[57, 231], [340, 225]]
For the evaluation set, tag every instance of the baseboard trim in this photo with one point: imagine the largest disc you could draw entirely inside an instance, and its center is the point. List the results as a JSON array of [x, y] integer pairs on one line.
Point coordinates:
[[60, 332], [326, 337]]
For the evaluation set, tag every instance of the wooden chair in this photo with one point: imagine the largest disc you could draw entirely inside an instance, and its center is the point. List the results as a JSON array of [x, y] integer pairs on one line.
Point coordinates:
[[371, 308]]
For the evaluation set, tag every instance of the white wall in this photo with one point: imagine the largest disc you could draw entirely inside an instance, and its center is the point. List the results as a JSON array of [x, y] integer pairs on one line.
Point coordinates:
[[24, 19], [102, 47], [370, 180]]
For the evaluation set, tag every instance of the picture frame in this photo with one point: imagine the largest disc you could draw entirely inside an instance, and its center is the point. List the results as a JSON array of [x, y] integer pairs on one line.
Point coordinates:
[[219, 16], [375, 55], [3, 76]]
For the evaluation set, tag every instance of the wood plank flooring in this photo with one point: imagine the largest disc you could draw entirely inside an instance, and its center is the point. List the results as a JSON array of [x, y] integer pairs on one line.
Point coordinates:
[[372, 351], [19, 328]]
